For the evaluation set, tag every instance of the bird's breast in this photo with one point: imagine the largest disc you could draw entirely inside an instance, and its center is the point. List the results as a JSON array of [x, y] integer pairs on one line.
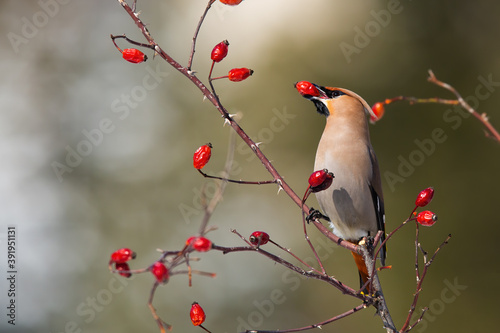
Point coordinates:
[[348, 201]]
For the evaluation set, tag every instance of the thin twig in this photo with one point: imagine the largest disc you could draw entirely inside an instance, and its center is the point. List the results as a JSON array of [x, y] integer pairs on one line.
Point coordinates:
[[306, 235], [424, 310], [482, 118], [221, 186], [204, 328], [491, 131], [234, 231], [131, 41], [194, 271], [415, 100], [296, 257], [161, 324], [386, 240], [377, 238], [310, 274], [413, 306], [318, 325], [304, 225], [417, 244], [246, 182], [193, 46]]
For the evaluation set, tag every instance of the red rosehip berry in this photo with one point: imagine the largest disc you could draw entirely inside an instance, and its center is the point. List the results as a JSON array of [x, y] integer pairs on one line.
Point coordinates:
[[122, 255], [231, 2], [424, 197], [121, 267], [307, 88], [197, 314], [320, 180], [239, 74], [427, 218], [134, 56], [200, 244], [259, 238], [202, 156], [378, 112], [219, 52], [160, 271]]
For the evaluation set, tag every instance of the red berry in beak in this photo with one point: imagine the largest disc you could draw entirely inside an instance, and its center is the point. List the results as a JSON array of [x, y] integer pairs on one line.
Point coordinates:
[[307, 88]]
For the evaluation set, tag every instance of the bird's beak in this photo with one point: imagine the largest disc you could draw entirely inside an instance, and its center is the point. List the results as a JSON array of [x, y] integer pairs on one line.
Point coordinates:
[[315, 94]]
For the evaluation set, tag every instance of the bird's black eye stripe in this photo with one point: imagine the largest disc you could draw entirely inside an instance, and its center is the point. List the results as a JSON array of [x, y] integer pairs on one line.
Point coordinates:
[[332, 93]]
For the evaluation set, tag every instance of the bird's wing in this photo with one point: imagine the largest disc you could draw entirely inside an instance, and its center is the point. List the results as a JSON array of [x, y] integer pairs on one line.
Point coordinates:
[[378, 201]]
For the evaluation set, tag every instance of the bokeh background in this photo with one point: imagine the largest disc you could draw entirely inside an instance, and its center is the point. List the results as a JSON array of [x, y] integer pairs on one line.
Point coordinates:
[[62, 78]]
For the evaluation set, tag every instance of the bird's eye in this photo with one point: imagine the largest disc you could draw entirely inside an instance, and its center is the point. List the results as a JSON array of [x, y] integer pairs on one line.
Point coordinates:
[[336, 93], [332, 92]]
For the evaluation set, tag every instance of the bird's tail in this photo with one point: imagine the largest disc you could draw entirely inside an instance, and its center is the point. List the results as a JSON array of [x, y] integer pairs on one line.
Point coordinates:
[[363, 271]]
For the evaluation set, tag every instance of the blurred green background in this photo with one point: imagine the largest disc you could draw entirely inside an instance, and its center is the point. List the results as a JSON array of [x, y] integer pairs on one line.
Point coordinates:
[[62, 78]]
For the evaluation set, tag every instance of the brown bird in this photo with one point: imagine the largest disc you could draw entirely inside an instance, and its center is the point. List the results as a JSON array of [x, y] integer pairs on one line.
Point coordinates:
[[354, 202]]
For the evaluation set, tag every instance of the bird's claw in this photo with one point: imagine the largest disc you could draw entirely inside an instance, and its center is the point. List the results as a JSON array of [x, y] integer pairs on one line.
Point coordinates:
[[315, 214]]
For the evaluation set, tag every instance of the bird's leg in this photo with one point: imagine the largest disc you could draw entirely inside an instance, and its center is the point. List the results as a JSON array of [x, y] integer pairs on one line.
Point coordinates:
[[316, 214], [367, 242]]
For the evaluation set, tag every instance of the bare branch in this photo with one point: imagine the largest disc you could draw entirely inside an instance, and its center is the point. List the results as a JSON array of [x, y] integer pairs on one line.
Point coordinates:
[[406, 326], [318, 325], [490, 131], [245, 182], [161, 324], [311, 274], [191, 55]]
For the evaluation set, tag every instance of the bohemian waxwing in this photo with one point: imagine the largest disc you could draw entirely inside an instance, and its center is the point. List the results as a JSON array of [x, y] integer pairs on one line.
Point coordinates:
[[354, 202]]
